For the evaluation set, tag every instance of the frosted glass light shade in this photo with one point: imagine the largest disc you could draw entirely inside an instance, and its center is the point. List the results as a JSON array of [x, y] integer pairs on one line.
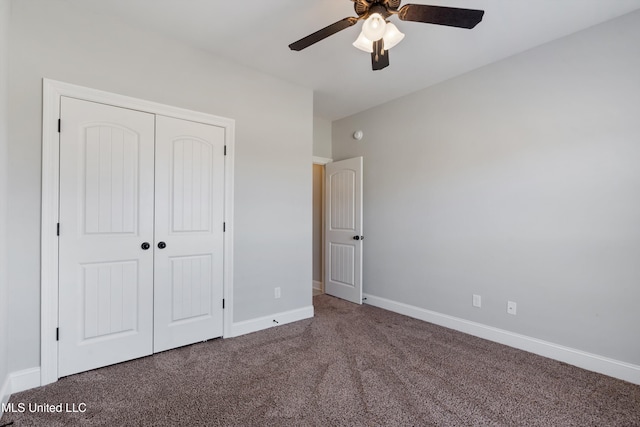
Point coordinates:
[[392, 36], [373, 28], [363, 43]]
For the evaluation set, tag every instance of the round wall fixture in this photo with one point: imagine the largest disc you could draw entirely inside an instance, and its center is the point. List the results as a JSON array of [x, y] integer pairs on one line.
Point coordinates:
[[357, 135]]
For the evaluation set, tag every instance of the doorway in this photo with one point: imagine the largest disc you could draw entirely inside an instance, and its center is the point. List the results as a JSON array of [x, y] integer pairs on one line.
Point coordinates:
[[337, 228], [319, 196], [318, 229]]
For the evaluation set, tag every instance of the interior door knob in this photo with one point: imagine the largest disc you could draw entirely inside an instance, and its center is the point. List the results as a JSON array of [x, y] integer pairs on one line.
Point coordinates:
[[145, 246], [356, 237], [162, 245]]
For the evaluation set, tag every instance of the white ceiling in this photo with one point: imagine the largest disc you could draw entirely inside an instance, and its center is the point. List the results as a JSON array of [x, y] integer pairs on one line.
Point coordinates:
[[257, 34]]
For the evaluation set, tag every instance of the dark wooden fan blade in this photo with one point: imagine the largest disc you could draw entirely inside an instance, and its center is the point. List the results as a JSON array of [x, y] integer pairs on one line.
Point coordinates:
[[450, 16], [323, 33], [379, 56]]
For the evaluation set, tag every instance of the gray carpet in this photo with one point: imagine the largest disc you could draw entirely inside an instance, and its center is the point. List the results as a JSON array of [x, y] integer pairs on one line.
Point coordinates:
[[351, 366]]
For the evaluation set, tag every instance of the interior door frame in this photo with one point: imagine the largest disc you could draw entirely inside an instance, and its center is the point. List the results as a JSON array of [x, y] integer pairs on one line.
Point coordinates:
[[322, 161], [52, 92]]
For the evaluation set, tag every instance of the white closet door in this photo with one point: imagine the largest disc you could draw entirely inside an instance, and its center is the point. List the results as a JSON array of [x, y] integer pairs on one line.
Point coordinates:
[[106, 214], [189, 232]]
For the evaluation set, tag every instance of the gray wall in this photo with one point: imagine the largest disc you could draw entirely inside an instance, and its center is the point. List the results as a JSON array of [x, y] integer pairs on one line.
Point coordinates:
[[4, 123], [321, 137], [518, 181], [273, 150]]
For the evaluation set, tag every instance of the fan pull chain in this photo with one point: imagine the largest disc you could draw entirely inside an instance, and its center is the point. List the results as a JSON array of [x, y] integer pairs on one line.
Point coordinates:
[[378, 47]]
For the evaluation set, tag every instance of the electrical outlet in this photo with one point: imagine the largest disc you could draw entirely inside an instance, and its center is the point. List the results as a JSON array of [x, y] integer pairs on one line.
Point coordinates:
[[277, 292], [477, 301], [511, 307]]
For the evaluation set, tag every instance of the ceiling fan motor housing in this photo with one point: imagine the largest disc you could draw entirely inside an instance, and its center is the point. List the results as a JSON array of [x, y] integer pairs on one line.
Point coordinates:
[[366, 8]]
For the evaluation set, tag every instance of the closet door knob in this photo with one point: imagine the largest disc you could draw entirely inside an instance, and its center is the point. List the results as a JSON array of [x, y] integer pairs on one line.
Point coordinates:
[[145, 246], [162, 245]]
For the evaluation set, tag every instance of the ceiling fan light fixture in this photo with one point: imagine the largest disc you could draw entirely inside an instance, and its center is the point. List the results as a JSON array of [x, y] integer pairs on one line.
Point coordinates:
[[363, 43], [374, 27], [392, 36]]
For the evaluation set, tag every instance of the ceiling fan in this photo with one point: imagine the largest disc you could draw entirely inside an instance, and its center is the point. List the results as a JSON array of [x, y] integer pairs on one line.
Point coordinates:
[[379, 35]]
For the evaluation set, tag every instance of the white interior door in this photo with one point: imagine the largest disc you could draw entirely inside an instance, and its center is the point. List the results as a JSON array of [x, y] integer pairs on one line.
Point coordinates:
[[106, 214], [343, 229], [189, 240]]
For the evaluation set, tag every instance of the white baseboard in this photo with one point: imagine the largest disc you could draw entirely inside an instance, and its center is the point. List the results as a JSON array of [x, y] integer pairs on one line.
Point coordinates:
[[19, 381], [317, 285], [25, 379], [5, 393], [592, 362], [254, 325]]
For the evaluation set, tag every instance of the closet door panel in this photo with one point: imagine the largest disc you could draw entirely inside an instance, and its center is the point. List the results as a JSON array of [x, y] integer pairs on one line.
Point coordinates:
[[188, 232], [106, 213]]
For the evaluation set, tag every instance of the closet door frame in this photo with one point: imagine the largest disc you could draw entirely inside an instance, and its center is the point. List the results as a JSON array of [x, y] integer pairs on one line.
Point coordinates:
[[52, 93]]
